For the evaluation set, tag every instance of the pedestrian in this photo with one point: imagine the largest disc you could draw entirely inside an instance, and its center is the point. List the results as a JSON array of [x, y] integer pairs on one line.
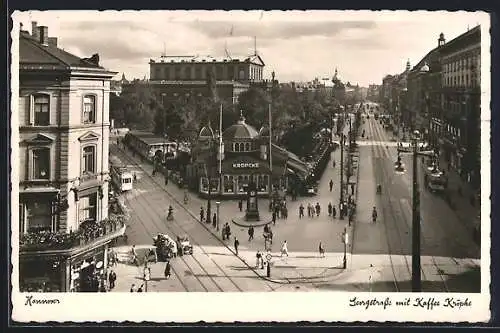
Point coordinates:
[[135, 260], [274, 218], [284, 248], [250, 233], [214, 220], [135, 177], [140, 288], [132, 288], [318, 209], [112, 279], [331, 185], [167, 269], [240, 205], [301, 211], [308, 210], [202, 214], [228, 231], [285, 212], [258, 256], [321, 249], [236, 244], [334, 212], [330, 207], [352, 189], [333, 163]]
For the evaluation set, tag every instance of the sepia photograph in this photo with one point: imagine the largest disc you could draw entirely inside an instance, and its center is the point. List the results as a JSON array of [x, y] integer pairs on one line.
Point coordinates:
[[315, 165]]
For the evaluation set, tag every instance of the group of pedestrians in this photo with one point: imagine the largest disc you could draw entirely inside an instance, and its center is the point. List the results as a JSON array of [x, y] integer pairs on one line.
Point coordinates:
[[312, 211], [279, 210]]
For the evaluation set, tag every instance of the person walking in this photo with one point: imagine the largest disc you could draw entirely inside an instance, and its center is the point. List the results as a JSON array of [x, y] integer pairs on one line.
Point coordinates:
[[135, 260], [112, 279], [318, 209], [284, 248], [250, 233], [331, 185], [202, 214], [321, 249], [274, 218], [236, 244], [333, 164], [330, 207], [132, 288], [228, 231], [301, 211], [258, 258], [167, 270], [240, 205], [334, 212], [214, 220]]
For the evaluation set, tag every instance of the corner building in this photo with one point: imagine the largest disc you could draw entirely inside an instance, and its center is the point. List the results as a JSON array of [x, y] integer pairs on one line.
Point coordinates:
[[63, 165]]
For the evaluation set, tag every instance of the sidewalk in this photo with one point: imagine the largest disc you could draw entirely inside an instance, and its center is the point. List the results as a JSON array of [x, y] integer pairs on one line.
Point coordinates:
[[461, 204], [367, 273]]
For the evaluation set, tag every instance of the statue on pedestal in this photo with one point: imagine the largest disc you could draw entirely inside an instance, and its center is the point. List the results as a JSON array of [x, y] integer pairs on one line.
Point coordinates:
[[252, 211]]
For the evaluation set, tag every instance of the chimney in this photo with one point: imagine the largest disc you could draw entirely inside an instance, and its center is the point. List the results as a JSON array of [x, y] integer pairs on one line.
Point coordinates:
[[34, 30], [53, 41], [43, 35]]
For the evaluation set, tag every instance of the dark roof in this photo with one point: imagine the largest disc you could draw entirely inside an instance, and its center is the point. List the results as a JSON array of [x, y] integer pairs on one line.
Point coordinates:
[[31, 52], [240, 130]]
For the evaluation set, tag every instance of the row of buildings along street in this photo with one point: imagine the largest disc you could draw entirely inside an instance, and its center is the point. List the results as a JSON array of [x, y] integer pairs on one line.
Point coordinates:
[[208, 176]]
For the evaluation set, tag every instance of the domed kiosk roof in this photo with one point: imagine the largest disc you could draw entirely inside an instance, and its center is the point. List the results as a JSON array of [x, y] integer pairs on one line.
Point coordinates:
[[206, 132], [240, 130]]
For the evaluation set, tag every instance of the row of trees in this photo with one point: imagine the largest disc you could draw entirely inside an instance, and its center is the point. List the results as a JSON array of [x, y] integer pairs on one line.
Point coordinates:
[[296, 116]]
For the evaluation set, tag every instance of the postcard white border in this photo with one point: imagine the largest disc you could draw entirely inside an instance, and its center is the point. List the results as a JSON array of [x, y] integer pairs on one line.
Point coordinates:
[[254, 307]]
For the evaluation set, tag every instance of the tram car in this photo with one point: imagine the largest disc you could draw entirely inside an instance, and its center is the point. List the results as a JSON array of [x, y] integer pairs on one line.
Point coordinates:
[[149, 145], [435, 179], [121, 178]]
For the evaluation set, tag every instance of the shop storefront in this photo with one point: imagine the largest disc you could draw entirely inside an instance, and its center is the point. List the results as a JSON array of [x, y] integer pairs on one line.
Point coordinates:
[[81, 268]]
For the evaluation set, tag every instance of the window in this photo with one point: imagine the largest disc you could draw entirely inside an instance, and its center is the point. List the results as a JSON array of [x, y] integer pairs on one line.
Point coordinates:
[[41, 110], [89, 159], [236, 147], [247, 146], [177, 72], [88, 109], [197, 72], [166, 73], [220, 71], [38, 216], [41, 163], [87, 208]]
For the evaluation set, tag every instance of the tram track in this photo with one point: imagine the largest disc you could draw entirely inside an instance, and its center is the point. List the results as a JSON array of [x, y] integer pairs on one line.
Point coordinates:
[[388, 190], [170, 225], [380, 174]]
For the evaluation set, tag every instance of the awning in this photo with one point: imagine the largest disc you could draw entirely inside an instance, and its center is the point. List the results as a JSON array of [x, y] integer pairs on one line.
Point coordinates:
[[38, 190]]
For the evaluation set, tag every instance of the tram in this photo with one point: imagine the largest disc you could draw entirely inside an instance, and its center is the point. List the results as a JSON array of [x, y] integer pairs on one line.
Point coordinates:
[[121, 178]]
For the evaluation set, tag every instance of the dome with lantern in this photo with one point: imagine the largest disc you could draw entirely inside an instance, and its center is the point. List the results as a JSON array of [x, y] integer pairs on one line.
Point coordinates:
[[240, 130]]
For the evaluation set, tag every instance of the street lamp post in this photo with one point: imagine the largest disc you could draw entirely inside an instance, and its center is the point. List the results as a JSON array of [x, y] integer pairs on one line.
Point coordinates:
[[415, 263], [341, 204], [218, 218]]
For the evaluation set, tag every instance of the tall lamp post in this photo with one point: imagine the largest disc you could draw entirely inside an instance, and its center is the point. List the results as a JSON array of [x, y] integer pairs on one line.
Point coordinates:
[[341, 204], [415, 261]]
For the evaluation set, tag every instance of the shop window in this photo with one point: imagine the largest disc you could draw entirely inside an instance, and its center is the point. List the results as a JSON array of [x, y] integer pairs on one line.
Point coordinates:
[[41, 163], [87, 208], [41, 107], [241, 185], [89, 160], [38, 216], [228, 184], [89, 106], [40, 275], [204, 184]]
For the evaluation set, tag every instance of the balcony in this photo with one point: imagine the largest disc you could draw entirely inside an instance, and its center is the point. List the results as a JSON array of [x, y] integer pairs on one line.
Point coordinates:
[[88, 232]]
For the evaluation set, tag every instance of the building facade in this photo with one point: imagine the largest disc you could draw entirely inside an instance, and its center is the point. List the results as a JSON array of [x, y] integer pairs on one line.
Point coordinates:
[[424, 93], [185, 76], [458, 125], [63, 165]]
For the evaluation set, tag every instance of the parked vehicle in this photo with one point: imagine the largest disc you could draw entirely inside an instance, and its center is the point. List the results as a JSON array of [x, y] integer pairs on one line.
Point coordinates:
[[184, 246], [166, 247]]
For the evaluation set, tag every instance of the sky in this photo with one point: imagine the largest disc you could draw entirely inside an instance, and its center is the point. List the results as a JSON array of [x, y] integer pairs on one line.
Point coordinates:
[[297, 45]]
